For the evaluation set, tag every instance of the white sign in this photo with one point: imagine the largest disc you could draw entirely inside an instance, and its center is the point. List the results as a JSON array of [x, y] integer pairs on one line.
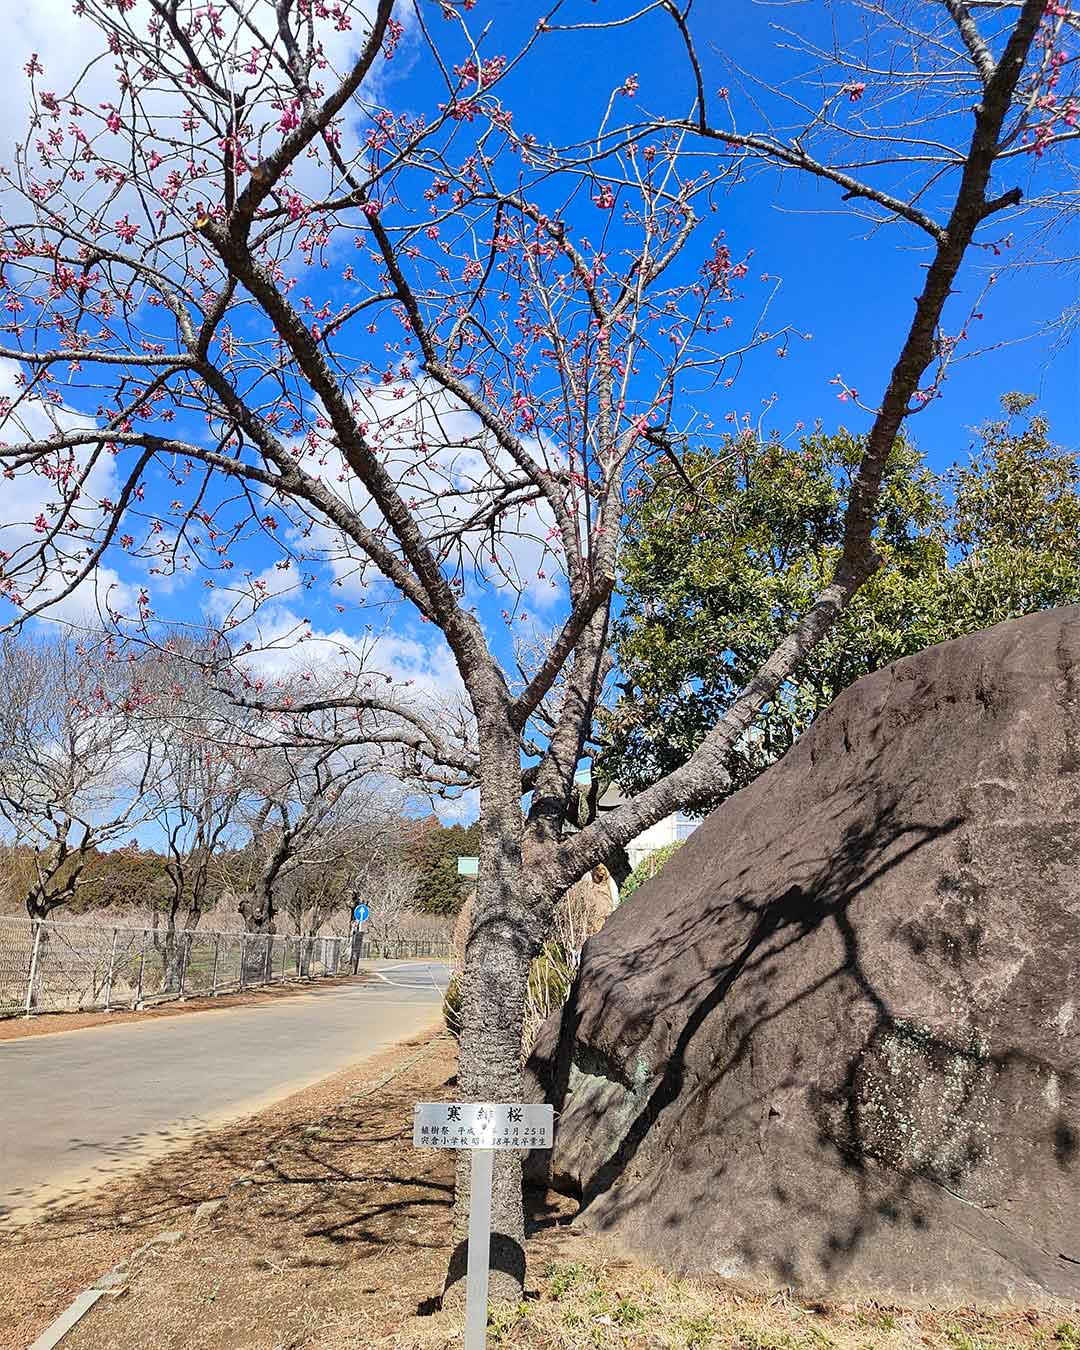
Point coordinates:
[[482, 1125]]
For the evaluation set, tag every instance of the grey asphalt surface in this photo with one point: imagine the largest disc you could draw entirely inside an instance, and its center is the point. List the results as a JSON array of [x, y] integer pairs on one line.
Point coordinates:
[[79, 1106]]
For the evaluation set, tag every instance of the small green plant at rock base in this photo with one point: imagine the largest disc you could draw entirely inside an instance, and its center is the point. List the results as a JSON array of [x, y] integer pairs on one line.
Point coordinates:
[[627, 1313], [572, 1319], [503, 1318], [1067, 1336], [963, 1341], [562, 1278], [698, 1332]]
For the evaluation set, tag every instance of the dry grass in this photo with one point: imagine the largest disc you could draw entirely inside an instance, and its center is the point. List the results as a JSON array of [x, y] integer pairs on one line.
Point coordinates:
[[334, 1233], [617, 1303]]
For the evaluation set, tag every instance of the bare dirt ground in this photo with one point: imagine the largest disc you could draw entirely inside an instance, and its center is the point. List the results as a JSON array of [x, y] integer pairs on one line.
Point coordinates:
[[44, 1024], [333, 1232]]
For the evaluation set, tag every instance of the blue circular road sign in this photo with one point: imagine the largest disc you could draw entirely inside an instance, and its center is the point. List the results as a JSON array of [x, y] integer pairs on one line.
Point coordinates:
[[361, 913]]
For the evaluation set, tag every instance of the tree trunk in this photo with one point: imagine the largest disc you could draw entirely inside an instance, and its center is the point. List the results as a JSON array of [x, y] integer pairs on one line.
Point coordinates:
[[494, 981], [178, 930], [498, 952], [259, 921], [172, 960]]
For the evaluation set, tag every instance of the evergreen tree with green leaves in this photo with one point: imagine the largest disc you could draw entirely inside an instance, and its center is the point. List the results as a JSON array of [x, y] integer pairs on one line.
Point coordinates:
[[434, 853], [722, 556]]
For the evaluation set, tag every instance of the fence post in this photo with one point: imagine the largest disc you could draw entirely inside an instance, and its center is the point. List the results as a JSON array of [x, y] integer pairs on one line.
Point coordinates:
[[185, 951], [284, 956], [268, 964], [217, 954], [33, 967], [112, 968], [243, 939], [142, 968]]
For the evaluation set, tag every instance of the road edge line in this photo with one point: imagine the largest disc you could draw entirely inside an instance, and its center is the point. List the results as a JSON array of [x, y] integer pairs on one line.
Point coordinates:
[[73, 1314]]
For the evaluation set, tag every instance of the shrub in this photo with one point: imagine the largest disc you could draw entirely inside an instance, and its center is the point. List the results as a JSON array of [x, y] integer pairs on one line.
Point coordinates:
[[451, 1007], [550, 978], [647, 868]]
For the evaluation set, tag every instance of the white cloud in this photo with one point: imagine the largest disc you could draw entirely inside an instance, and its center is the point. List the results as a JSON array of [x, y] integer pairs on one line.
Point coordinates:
[[50, 29], [418, 676], [261, 594], [283, 645], [28, 499], [449, 470], [73, 54], [461, 810]]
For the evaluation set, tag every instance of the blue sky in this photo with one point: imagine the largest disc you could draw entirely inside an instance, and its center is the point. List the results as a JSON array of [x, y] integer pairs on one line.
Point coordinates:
[[854, 294]]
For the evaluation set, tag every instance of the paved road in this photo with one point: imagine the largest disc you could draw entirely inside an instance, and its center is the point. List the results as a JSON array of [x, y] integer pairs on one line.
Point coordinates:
[[78, 1106]]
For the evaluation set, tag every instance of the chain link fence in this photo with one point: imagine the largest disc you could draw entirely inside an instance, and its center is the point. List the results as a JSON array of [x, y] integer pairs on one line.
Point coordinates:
[[70, 967], [404, 949], [79, 967]]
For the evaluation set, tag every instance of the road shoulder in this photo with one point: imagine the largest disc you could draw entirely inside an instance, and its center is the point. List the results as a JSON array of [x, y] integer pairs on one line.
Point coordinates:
[[45, 1263], [17, 1027], [316, 1226]]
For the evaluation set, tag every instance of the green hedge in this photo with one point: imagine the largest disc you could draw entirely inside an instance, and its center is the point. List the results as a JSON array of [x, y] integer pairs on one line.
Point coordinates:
[[647, 868]]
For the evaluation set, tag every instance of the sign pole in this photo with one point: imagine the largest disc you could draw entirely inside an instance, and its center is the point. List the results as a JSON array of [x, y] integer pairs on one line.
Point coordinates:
[[361, 913], [479, 1254], [482, 1128]]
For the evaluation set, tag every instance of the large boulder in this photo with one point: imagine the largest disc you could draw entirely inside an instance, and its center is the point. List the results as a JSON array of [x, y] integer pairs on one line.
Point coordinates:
[[835, 1043]]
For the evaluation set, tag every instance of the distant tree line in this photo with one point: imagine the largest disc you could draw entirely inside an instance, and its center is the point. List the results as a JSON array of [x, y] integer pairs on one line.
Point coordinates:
[[133, 782]]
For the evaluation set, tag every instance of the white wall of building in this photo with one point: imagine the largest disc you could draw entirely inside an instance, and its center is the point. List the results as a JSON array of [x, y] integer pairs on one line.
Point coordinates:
[[675, 827]]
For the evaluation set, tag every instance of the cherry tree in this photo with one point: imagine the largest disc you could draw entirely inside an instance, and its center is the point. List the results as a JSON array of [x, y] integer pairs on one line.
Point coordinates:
[[307, 800], [204, 765], [421, 355], [391, 889], [74, 775]]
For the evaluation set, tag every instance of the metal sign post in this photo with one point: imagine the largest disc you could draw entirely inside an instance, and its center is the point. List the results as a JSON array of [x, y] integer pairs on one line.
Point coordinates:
[[478, 1267], [481, 1127], [360, 915]]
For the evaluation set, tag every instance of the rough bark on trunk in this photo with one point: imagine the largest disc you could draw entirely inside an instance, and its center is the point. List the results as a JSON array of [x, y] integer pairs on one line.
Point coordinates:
[[176, 947], [495, 977], [501, 944], [256, 918], [259, 921]]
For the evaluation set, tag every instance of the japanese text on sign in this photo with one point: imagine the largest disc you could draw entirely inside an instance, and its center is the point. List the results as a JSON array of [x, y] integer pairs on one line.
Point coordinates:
[[481, 1125]]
